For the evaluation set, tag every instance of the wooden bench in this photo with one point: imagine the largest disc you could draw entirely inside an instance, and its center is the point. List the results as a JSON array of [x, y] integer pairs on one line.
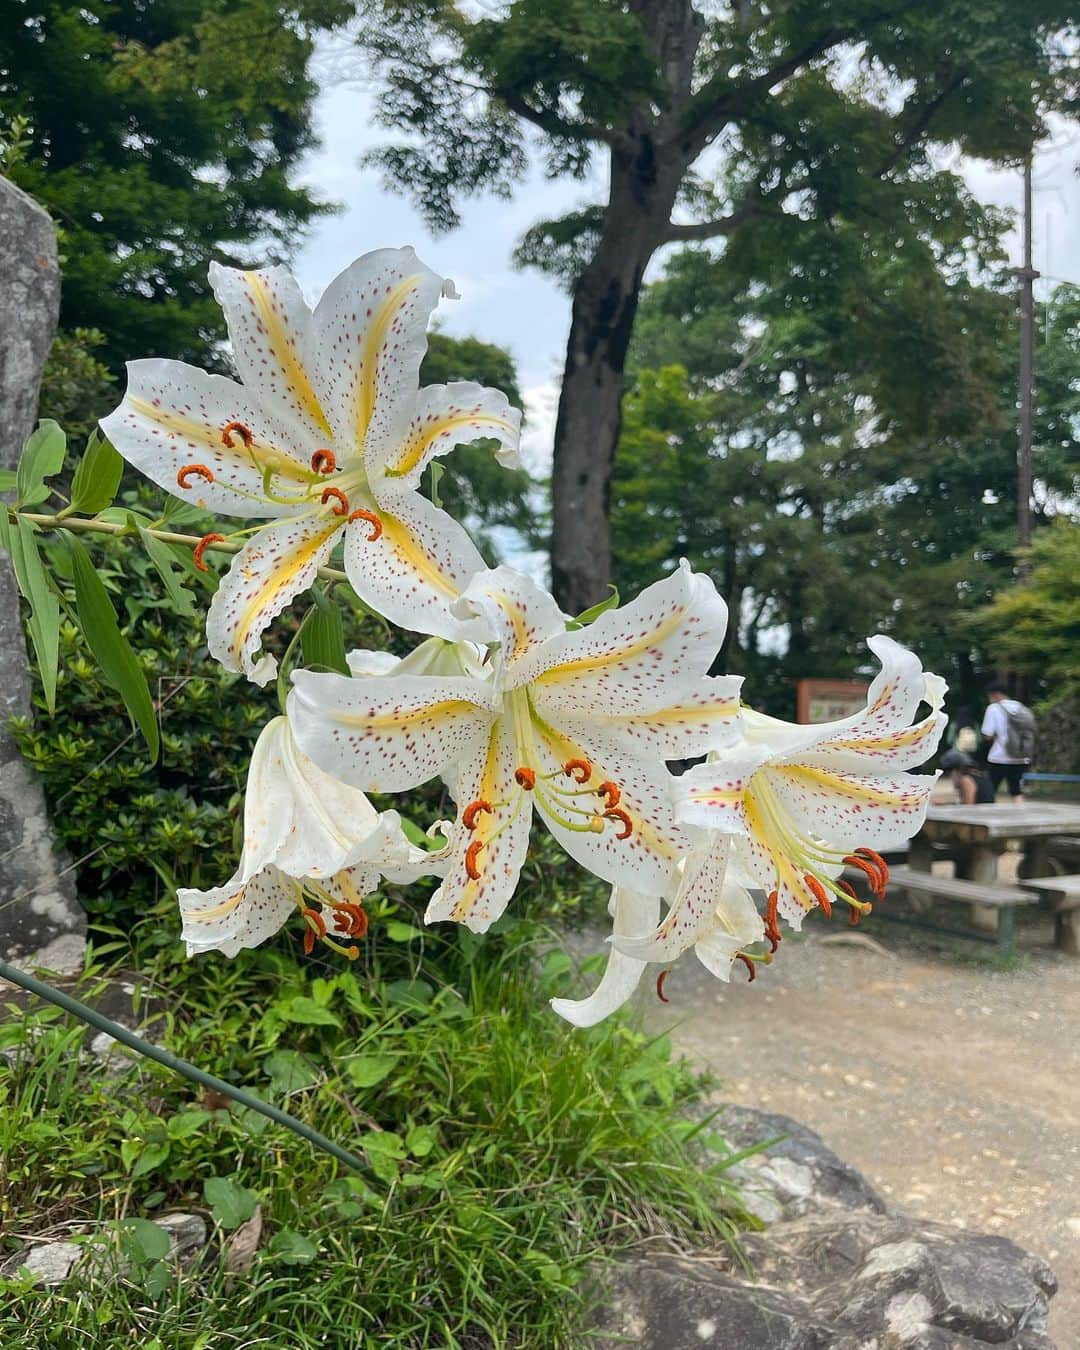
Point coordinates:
[[991, 895], [1063, 894]]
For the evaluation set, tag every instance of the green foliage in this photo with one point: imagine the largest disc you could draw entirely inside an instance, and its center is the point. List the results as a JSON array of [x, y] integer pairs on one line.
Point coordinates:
[[189, 119], [507, 1153], [1034, 625], [76, 386]]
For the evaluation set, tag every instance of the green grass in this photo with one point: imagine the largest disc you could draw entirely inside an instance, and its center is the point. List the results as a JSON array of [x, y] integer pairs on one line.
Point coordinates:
[[506, 1152]]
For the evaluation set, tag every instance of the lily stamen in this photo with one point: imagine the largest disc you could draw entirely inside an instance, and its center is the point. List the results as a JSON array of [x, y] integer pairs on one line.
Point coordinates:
[[342, 507], [199, 469], [239, 429], [324, 461], [748, 962], [372, 519], [864, 865], [820, 894], [660, 986], [611, 792], [201, 547], [617, 813], [525, 778], [471, 865], [474, 809], [580, 770]]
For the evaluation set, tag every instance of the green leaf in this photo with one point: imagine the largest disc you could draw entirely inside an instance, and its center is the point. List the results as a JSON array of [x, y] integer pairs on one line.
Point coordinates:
[[594, 611], [8, 480], [290, 1071], [149, 1241], [153, 1155], [44, 623], [322, 636], [111, 649], [302, 1009], [409, 993], [293, 1249], [231, 1203], [164, 560], [42, 456], [401, 932], [421, 1139], [367, 1070], [185, 1123], [97, 476]]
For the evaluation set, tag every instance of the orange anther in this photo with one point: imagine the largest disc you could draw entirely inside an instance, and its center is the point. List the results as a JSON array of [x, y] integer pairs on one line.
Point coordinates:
[[309, 941], [315, 921], [580, 770], [773, 941], [201, 547], [880, 863], [871, 872], [820, 894], [198, 469], [617, 813], [474, 809], [749, 964], [372, 519], [525, 778], [244, 432], [660, 987], [856, 915], [772, 927], [471, 866], [848, 889], [350, 919], [342, 507], [324, 461], [611, 792]]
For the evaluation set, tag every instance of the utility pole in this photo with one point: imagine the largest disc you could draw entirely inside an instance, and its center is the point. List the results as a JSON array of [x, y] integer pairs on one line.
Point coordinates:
[[1027, 275]]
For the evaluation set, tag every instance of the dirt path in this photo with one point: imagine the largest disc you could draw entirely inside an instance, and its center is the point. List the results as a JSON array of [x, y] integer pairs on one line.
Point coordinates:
[[953, 1086]]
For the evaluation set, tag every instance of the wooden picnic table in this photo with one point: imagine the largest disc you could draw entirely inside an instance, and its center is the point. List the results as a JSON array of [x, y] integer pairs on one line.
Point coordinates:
[[979, 834]]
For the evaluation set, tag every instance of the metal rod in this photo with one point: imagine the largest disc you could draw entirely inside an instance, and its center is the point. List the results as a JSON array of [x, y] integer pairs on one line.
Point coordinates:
[[175, 1063]]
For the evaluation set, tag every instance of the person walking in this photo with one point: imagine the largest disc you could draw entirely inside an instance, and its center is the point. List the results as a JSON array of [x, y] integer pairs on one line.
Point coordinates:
[[1010, 728]]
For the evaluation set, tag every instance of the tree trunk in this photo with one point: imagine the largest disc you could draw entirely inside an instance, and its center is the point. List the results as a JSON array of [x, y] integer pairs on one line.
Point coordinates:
[[587, 428]]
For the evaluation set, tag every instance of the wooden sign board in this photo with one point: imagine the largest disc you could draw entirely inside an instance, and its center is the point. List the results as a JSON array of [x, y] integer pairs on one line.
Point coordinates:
[[828, 700]]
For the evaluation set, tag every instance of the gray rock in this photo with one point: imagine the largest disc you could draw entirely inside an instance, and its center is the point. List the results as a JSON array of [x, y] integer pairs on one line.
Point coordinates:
[[51, 1263], [187, 1235], [41, 922], [797, 1175]]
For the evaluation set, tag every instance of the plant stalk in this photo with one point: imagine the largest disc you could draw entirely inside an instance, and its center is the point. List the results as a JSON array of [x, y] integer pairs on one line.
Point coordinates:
[[175, 1063]]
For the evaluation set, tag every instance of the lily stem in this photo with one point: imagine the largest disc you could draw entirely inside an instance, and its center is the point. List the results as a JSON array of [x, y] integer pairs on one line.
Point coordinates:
[[86, 525], [121, 1033]]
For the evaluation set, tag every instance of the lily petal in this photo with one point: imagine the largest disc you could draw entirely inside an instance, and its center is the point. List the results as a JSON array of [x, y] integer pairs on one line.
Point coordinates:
[[387, 733], [693, 911], [711, 795], [635, 916], [701, 720], [637, 658], [416, 567], [275, 565], [646, 859], [871, 810], [517, 611], [485, 862], [237, 915], [271, 331], [448, 415], [371, 336], [174, 415], [737, 925]]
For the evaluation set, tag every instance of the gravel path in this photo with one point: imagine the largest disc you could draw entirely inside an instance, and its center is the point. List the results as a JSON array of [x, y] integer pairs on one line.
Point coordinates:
[[953, 1086]]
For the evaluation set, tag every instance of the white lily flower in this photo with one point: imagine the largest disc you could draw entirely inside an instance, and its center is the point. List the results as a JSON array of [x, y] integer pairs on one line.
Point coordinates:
[[327, 437], [310, 844], [801, 802], [728, 924], [576, 724]]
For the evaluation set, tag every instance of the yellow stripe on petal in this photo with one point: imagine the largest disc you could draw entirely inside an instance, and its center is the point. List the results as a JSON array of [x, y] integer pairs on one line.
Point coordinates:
[[487, 824], [199, 435], [403, 718], [284, 353], [570, 670], [374, 339], [418, 445], [212, 912], [852, 789], [892, 741], [419, 561]]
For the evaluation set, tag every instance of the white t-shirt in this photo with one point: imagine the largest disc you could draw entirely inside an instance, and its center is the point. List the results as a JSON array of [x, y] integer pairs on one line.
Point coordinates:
[[996, 723]]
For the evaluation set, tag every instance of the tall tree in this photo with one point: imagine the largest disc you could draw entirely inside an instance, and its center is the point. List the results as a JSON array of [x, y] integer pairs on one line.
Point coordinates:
[[160, 135], [741, 121]]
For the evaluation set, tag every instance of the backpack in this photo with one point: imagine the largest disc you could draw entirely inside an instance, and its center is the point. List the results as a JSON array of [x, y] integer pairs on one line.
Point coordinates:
[[1019, 732]]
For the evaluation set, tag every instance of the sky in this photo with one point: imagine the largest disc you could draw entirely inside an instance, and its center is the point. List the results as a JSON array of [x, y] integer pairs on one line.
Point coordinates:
[[527, 312]]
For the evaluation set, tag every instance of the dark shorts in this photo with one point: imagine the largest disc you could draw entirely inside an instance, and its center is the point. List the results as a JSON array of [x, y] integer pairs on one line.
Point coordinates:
[[1007, 773]]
